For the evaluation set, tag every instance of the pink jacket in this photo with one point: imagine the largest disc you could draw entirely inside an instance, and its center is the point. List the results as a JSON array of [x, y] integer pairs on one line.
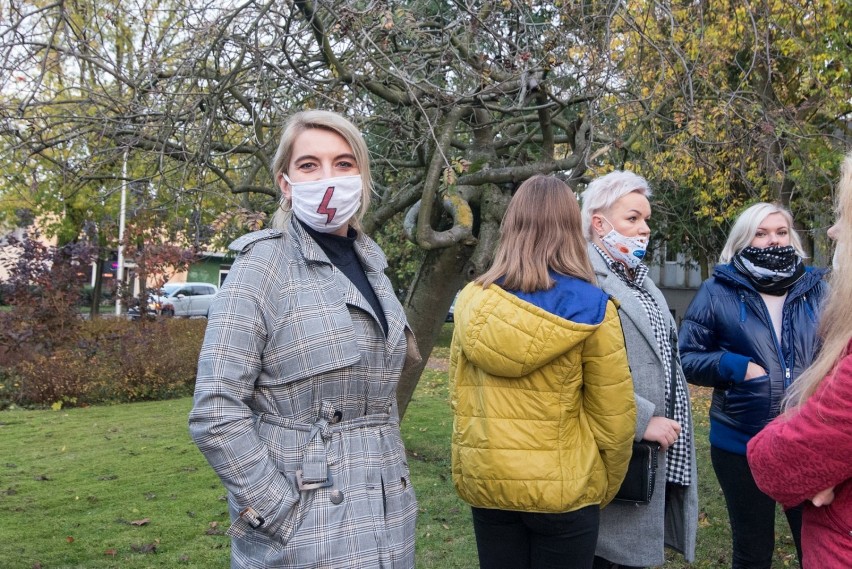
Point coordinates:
[[796, 456]]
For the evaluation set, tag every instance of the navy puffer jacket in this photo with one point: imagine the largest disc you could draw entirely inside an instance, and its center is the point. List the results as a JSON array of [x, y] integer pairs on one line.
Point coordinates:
[[726, 326]]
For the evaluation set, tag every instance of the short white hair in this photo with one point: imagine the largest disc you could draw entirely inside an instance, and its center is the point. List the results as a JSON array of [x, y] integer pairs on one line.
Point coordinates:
[[602, 192], [745, 228]]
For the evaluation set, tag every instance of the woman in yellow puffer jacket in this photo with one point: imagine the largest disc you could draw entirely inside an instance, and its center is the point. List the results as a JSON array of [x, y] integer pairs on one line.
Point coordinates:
[[544, 413]]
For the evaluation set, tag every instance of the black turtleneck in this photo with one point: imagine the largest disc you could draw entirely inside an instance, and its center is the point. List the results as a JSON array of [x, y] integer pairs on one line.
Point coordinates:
[[341, 252]]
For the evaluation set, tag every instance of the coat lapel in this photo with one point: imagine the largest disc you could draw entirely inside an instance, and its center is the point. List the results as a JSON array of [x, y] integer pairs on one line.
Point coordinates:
[[374, 264], [629, 309]]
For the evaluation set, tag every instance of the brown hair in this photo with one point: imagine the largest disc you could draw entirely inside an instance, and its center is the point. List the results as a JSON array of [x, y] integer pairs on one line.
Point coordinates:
[[541, 231]]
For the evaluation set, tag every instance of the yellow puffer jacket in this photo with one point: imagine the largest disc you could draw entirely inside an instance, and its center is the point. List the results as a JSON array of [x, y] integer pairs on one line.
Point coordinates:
[[544, 412]]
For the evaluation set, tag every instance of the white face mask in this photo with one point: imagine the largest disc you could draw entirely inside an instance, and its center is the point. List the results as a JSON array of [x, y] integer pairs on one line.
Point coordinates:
[[628, 250], [326, 205]]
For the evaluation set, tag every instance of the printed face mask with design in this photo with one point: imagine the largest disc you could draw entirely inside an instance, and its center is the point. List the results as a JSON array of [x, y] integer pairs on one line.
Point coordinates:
[[326, 205], [628, 250]]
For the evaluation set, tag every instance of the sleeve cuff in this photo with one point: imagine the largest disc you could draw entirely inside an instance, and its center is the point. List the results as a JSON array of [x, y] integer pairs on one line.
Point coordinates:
[[275, 512], [732, 367], [644, 412]]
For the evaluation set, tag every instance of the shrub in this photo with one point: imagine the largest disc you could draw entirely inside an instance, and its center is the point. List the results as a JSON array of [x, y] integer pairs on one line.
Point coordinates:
[[50, 356], [111, 361], [44, 289]]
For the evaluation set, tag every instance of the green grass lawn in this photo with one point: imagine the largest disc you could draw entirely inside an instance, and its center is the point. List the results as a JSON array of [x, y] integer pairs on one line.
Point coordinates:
[[124, 487]]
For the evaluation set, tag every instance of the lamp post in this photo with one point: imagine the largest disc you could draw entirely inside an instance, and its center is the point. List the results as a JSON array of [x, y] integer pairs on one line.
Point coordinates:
[[122, 213]]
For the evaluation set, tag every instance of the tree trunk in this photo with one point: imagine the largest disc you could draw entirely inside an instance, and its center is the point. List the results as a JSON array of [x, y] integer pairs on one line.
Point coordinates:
[[95, 309], [440, 276]]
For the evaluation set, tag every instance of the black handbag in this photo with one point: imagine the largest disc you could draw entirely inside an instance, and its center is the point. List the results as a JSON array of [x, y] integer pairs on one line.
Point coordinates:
[[638, 485]]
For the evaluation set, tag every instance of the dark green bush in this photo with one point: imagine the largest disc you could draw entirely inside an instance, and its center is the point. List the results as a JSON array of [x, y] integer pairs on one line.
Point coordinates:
[[110, 361]]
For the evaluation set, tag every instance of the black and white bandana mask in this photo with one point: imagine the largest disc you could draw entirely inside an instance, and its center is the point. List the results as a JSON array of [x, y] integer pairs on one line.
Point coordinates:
[[772, 270]]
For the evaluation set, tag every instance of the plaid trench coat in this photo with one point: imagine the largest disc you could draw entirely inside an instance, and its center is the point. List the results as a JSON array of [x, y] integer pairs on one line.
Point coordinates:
[[295, 408]]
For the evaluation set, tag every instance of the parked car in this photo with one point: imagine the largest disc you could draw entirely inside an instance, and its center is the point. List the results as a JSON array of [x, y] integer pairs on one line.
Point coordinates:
[[180, 299], [451, 311]]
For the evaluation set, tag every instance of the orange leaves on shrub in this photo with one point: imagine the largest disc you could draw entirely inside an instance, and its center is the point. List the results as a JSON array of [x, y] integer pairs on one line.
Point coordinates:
[[111, 360]]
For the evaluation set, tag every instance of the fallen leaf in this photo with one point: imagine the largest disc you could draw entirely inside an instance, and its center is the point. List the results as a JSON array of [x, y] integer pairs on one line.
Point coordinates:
[[142, 522], [40, 477], [145, 548], [214, 529], [111, 552], [69, 539]]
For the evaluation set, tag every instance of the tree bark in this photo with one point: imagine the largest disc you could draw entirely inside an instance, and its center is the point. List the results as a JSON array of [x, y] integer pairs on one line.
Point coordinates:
[[440, 277], [95, 309]]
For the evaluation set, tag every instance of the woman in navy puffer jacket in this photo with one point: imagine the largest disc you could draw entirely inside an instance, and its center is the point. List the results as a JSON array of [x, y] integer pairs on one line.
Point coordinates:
[[750, 331]]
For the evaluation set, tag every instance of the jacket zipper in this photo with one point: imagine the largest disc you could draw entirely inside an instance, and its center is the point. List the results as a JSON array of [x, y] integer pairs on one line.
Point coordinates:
[[809, 308], [788, 373]]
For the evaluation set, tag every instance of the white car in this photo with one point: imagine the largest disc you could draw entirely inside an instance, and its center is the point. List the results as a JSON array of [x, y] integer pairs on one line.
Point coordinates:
[[183, 299]]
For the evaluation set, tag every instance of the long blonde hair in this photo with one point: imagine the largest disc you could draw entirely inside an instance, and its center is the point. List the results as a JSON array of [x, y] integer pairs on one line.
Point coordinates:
[[835, 327], [541, 231]]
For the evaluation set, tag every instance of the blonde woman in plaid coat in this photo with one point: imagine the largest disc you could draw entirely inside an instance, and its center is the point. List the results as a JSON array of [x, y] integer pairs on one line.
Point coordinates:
[[295, 401]]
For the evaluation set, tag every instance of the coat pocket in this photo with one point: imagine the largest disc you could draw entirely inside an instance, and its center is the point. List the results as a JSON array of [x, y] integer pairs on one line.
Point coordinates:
[[258, 544], [749, 402]]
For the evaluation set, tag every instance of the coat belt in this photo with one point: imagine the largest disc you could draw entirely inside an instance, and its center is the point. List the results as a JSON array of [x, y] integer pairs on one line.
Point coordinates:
[[314, 472]]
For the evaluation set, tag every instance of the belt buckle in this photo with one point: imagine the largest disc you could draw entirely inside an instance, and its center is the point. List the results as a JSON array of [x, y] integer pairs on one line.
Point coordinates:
[[313, 485]]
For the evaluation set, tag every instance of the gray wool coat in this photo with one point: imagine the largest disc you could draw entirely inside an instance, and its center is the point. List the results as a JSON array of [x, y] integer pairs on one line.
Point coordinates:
[[636, 534], [295, 409]]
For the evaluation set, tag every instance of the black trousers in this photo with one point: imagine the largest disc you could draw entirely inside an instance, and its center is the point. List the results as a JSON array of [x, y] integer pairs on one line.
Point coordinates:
[[751, 513], [523, 540]]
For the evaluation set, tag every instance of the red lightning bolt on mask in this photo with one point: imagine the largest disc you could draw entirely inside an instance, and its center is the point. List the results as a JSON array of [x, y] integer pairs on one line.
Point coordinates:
[[323, 206]]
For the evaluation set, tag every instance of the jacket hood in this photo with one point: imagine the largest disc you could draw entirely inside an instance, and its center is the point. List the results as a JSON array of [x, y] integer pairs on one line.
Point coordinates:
[[506, 336]]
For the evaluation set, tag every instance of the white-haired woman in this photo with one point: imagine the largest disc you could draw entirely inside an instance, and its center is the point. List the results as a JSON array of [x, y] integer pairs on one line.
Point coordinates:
[[615, 221], [295, 399], [805, 456], [750, 331]]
